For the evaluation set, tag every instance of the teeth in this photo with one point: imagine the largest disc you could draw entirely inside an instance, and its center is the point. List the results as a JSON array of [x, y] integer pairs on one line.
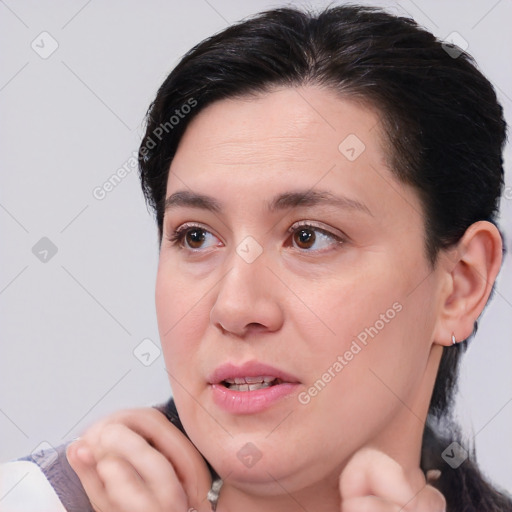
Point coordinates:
[[255, 380], [250, 380], [250, 383], [248, 387]]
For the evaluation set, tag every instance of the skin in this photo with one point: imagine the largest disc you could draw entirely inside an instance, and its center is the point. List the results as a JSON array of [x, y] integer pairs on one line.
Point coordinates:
[[301, 304]]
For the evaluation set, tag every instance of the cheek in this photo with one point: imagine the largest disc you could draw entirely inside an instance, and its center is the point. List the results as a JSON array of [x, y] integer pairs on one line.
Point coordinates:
[[370, 318], [182, 315], [354, 304], [375, 360]]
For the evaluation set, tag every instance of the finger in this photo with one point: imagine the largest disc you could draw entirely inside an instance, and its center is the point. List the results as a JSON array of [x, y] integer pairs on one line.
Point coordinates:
[[186, 460], [430, 499], [144, 465], [369, 504], [125, 489], [82, 462], [371, 472]]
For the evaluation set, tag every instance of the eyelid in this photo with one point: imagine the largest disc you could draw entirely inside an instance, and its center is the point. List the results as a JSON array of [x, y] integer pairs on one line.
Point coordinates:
[[319, 225], [189, 225]]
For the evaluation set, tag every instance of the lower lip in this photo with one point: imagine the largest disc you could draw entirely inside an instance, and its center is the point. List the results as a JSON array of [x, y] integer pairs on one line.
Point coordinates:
[[250, 402]]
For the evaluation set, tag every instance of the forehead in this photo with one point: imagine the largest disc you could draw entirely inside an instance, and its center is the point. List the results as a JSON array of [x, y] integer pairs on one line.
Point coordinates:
[[246, 150], [293, 124]]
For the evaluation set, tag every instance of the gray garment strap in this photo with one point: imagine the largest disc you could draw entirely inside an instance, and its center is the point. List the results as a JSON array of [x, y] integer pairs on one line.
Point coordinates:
[[65, 482]]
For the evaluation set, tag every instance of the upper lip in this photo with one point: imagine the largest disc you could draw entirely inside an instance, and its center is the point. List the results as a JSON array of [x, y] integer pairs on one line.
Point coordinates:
[[249, 369]]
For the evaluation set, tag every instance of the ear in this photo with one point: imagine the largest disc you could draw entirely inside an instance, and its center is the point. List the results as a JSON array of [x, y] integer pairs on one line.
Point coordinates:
[[470, 270]]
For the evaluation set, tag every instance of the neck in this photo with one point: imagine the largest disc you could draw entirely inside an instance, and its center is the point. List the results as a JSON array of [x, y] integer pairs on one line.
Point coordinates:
[[233, 499], [402, 439]]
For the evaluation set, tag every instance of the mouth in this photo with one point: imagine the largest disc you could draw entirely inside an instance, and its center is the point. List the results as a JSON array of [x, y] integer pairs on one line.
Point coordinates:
[[251, 383], [250, 376], [251, 387]]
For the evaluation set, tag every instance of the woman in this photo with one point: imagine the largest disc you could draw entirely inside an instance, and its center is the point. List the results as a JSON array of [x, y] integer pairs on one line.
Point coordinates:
[[325, 188]]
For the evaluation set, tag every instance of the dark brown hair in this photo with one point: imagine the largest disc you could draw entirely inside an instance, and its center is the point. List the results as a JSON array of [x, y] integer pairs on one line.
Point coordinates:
[[442, 124]]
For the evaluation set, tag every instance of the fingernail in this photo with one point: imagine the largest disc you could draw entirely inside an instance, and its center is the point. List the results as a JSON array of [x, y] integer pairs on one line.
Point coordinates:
[[81, 451], [84, 453], [433, 475]]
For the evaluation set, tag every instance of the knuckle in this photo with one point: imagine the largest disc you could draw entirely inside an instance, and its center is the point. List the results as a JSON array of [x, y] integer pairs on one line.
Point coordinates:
[[107, 467], [109, 434]]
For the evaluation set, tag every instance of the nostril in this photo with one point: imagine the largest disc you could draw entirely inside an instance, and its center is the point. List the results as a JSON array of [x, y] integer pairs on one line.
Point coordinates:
[[255, 326]]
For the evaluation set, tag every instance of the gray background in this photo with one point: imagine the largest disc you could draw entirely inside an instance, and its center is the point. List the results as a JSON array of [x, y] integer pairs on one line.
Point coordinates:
[[70, 324]]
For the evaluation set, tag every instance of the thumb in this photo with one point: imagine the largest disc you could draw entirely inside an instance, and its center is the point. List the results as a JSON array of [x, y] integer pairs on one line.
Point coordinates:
[[373, 473]]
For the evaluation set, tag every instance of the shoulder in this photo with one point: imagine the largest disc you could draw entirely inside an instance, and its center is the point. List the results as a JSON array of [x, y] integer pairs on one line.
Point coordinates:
[[45, 481], [42, 481], [25, 488]]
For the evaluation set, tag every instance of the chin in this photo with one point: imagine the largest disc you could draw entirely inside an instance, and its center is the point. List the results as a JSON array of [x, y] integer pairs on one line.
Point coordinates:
[[250, 459]]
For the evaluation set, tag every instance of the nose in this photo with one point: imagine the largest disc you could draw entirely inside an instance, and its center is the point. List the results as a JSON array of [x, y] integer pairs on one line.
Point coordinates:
[[248, 299]]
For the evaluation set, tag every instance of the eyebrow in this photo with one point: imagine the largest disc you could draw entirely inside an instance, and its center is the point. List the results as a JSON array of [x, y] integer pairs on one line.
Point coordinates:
[[295, 199]]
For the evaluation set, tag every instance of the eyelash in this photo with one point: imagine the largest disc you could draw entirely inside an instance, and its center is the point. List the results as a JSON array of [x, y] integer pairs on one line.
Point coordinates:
[[177, 237]]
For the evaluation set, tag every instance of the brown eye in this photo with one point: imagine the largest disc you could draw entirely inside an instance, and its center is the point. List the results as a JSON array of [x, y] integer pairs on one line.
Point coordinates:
[[195, 237], [308, 237], [305, 238]]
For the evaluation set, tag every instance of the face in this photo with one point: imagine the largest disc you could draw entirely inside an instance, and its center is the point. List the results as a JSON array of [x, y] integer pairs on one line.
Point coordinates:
[[293, 261]]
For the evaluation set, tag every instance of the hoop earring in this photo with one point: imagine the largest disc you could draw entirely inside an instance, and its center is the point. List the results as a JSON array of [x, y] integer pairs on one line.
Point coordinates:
[[454, 341]]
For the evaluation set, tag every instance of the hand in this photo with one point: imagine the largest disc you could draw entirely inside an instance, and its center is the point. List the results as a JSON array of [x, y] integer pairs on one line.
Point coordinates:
[[374, 482], [136, 460]]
